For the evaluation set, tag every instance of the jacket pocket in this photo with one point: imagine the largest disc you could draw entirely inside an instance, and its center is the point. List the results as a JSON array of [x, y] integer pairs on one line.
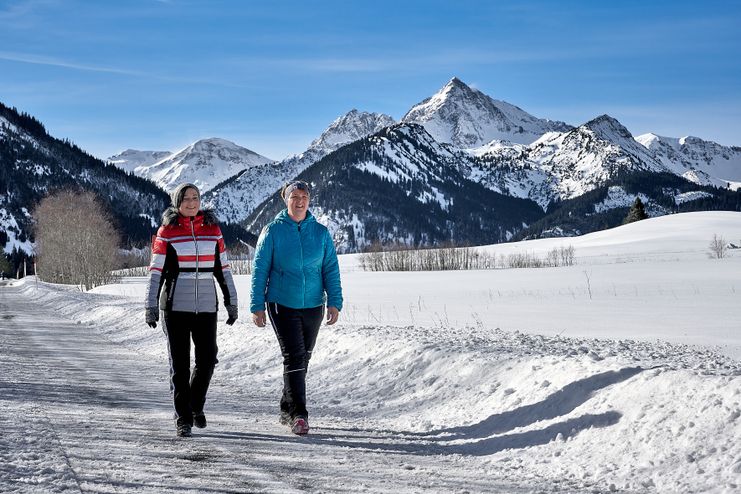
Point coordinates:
[[169, 289]]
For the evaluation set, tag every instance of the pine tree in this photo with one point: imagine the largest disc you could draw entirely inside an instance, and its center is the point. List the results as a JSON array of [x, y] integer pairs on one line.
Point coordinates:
[[5, 267], [636, 213]]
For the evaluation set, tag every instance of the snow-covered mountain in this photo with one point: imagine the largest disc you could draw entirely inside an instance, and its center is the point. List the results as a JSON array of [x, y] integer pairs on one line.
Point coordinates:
[[33, 164], [235, 199], [400, 185], [700, 161], [350, 127], [204, 163], [504, 166], [131, 159], [468, 118], [590, 155], [566, 165], [448, 145]]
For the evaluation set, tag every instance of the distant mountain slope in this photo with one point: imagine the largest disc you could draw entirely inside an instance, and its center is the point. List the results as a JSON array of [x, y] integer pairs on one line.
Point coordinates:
[[565, 165], [471, 138], [401, 186], [131, 159], [607, 206], [468, 118], [702, 162], [235, 198], [590, 155], [204, 163], [33, 164]]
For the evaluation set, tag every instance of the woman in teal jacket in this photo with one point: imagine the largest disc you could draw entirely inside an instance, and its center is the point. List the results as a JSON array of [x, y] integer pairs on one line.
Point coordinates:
[[295, 272]]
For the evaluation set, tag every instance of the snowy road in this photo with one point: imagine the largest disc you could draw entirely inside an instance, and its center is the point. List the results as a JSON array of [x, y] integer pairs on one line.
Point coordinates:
[[102, 413], [82, 413]]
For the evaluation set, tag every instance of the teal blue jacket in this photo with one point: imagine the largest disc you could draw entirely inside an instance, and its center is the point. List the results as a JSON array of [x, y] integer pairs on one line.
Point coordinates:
[[295, 265]]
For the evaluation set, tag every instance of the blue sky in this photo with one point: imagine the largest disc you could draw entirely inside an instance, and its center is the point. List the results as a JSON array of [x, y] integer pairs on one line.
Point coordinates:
[[271, 76]]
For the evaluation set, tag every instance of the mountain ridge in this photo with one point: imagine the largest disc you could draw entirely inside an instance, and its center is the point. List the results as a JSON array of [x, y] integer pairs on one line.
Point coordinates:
[[428, 167], [236, 197], [204, 163], [400, 185]]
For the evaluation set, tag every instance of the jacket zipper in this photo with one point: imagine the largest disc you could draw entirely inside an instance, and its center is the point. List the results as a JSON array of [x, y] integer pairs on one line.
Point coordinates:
[[195, 242], [303, 274]]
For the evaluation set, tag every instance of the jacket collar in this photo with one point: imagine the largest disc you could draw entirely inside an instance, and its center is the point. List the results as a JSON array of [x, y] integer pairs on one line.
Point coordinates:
[[204, 217], [284, 218], [197, 220]]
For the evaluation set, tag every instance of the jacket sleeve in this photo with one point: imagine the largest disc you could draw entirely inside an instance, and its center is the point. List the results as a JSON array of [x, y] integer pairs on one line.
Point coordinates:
[[331, 273], [156, 270], [223, 273], [261, 267]]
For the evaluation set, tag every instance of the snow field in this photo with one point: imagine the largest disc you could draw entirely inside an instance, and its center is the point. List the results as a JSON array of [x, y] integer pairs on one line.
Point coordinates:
[[634, 389]]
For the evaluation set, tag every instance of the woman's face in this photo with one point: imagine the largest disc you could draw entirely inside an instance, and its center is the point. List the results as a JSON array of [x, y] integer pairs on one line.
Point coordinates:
[[191, 203], [298, 203]]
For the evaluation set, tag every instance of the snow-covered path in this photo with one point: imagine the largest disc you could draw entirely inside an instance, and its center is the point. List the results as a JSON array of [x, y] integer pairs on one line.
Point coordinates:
[[81, 413], [102, 412]]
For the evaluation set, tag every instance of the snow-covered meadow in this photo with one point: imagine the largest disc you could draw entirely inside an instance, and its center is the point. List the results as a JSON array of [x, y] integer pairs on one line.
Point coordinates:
[[619, 373]]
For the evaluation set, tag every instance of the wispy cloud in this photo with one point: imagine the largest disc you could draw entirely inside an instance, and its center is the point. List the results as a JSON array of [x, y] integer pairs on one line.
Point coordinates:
[[25, 14], [56, 62]]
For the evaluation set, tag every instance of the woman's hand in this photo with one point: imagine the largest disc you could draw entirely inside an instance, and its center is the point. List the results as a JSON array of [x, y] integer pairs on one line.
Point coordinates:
[[332, 315], [259, 318]]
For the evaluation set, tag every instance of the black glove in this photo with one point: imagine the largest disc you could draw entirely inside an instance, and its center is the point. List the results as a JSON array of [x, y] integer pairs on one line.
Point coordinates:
[[152, 316], [233, 313]]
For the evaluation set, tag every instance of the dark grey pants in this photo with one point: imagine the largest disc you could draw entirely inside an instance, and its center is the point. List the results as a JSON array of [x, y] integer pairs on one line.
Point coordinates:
[[297, 330], [189, 389]]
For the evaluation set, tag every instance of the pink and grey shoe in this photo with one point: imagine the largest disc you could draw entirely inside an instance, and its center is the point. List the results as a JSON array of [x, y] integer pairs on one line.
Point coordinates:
[[300, 426]]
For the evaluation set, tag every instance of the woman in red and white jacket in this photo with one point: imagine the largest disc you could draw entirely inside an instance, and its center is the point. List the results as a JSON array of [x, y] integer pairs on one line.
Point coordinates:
[[188, 253]]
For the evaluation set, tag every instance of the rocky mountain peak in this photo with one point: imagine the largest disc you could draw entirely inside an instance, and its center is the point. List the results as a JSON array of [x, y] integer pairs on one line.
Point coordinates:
[[468, 118], [350, 127], [608, 128], [457, 88]]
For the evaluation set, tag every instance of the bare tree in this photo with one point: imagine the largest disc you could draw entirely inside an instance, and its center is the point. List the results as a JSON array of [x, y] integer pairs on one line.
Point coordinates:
[[567, 255], [718, 247], [76, 242]]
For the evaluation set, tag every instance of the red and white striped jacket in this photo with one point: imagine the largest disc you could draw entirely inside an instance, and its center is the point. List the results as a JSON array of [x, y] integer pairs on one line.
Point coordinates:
[[187, 254]]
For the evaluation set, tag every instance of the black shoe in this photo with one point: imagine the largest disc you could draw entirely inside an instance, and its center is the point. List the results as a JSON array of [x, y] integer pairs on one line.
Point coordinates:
[[285, 418], [199, 420], [184, 430]]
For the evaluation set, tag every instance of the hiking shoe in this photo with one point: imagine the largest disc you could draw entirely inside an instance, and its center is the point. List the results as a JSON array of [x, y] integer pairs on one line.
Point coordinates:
[[199, 420], [285, 418], [300, 426], [184, 430]]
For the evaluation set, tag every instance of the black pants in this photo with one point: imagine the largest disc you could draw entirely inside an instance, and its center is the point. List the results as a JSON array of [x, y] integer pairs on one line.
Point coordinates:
[[189, 390], [296, 330]]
